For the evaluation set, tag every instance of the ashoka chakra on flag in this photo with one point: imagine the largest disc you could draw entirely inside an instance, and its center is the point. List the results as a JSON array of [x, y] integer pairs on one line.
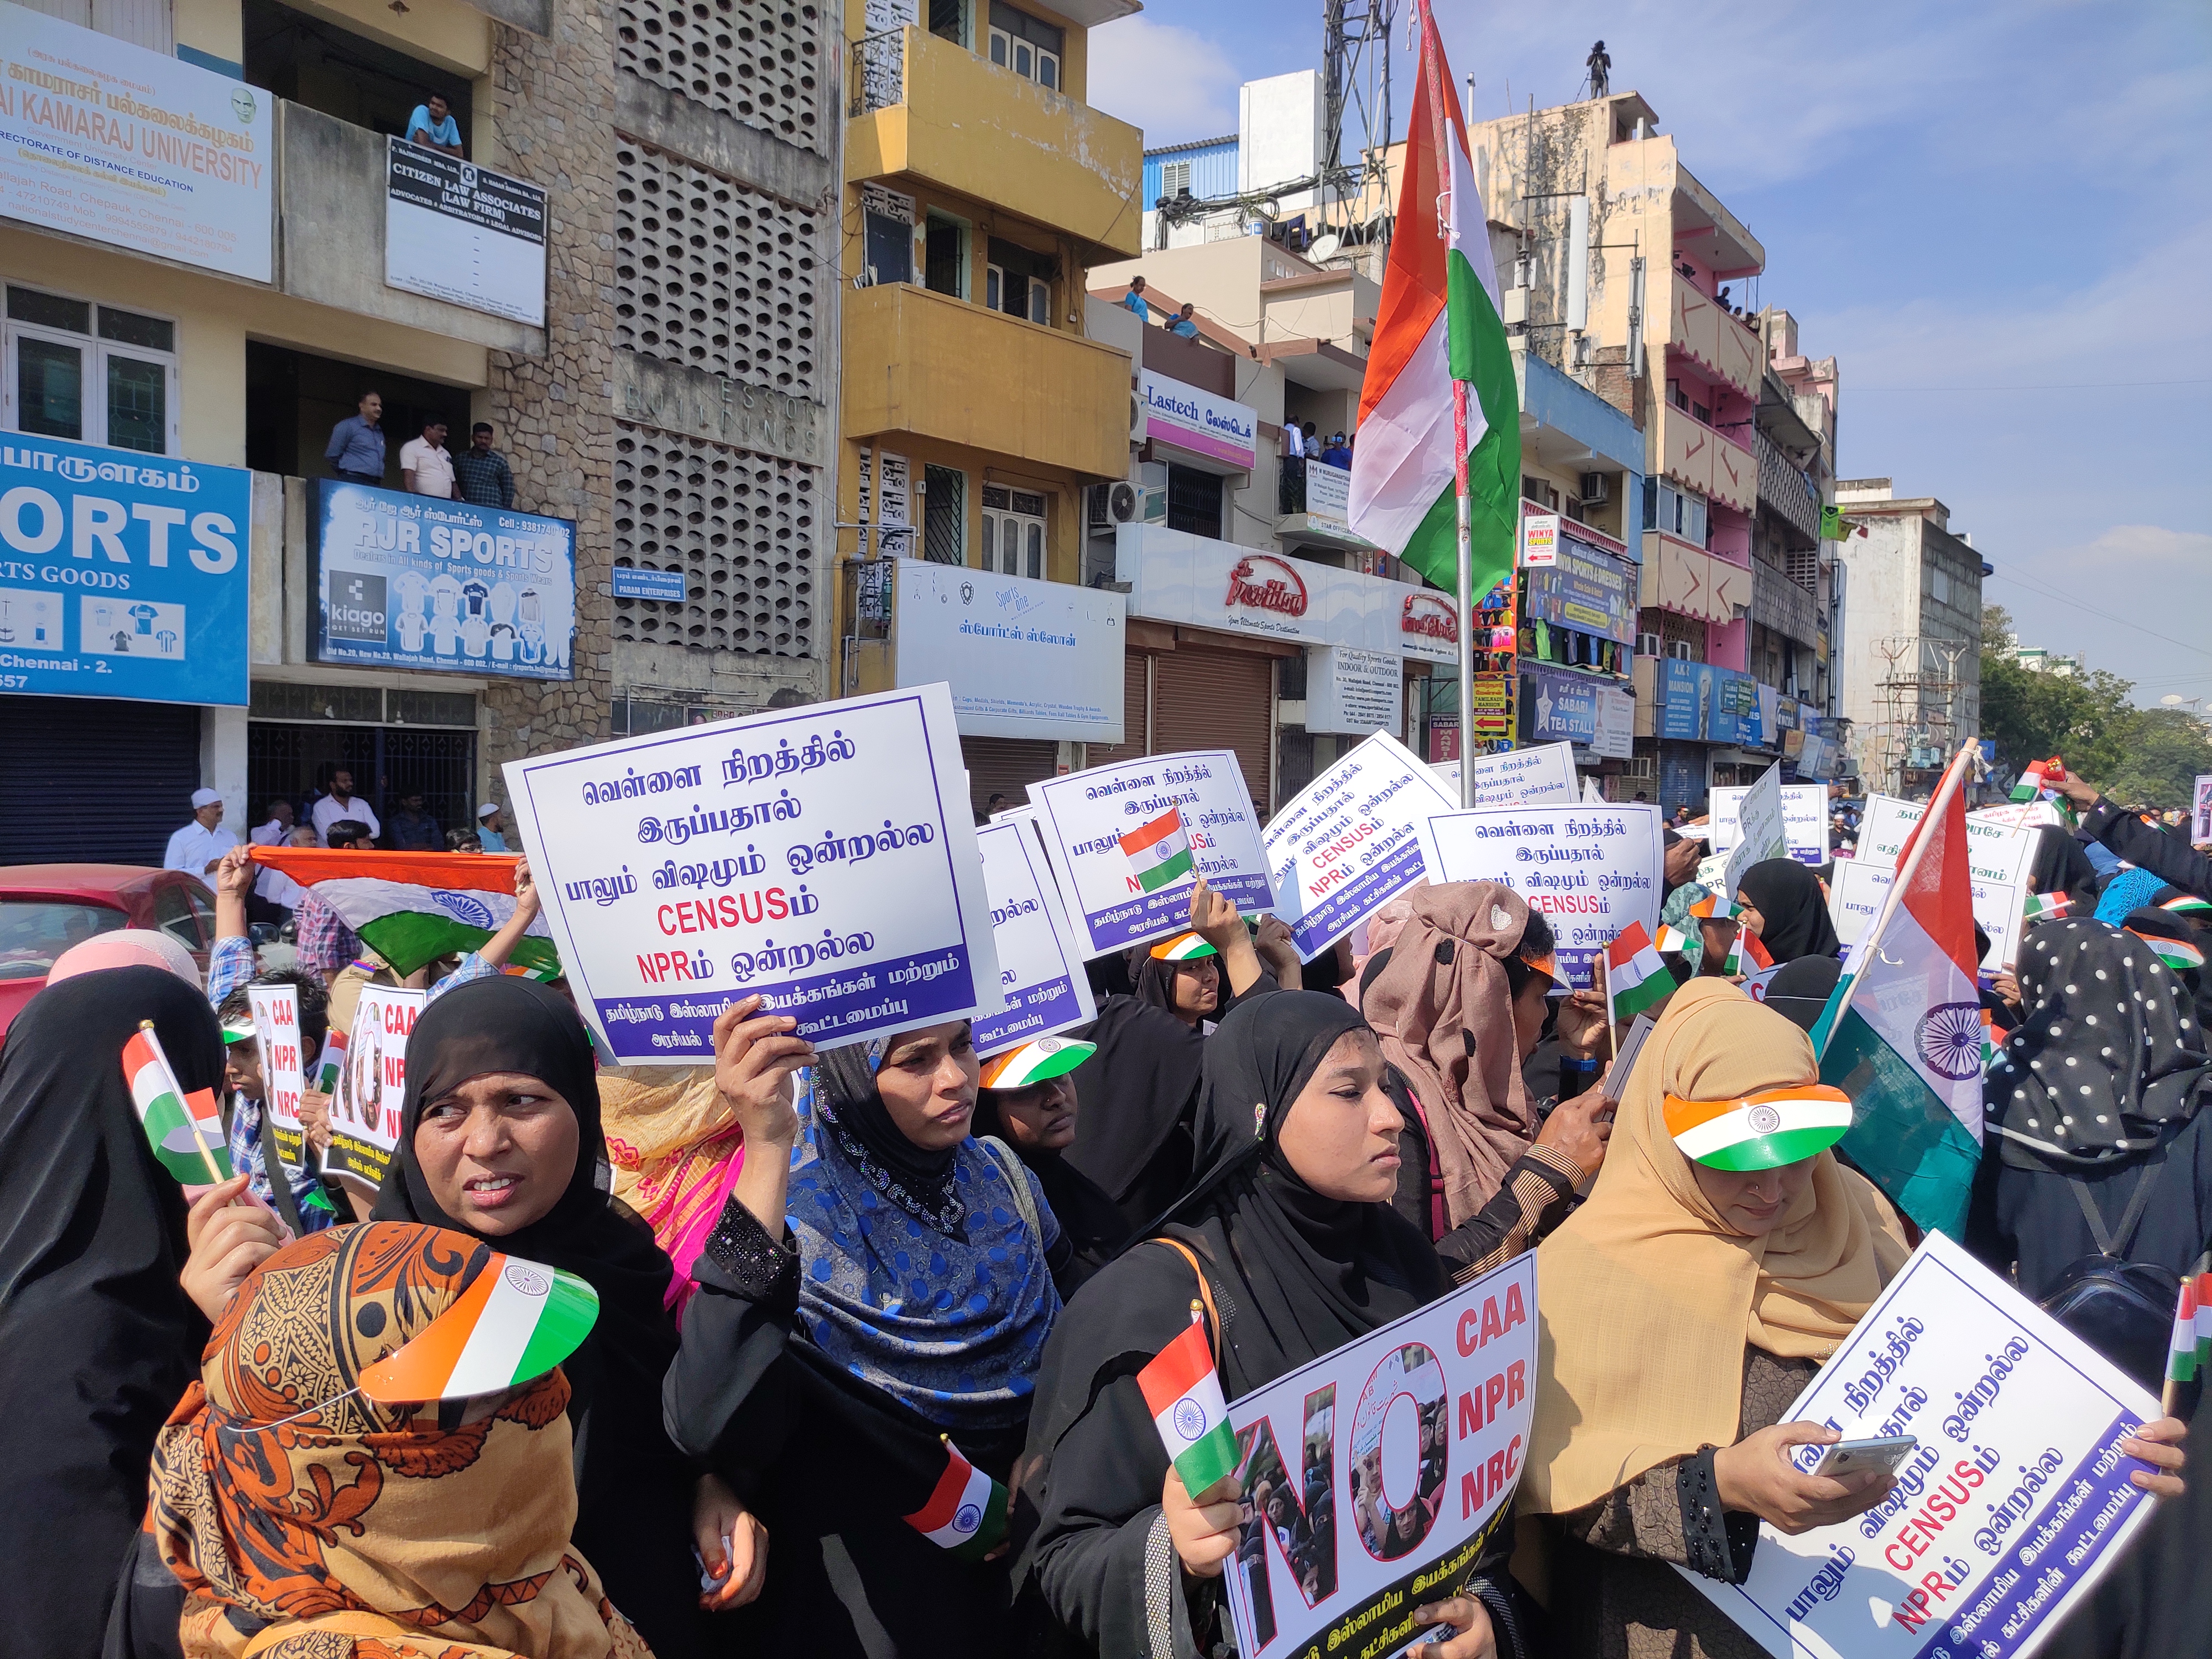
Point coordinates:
[[1950, 1040]]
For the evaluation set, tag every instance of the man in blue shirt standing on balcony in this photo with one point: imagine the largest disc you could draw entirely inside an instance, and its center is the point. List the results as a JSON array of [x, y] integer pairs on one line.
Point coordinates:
[[433, 126], [356, 446]]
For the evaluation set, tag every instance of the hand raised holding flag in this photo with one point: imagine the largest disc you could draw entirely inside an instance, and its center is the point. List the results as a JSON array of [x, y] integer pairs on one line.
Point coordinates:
[[1203, 1529]]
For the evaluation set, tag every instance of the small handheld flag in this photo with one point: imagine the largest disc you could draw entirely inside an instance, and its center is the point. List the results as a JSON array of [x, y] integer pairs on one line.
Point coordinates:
[[1672, 940], [1745, 954], [2045, 907], [185, 1130], [966, 1512], [330, 1062], [2038, 775], [1635, 978], [1183, 1391], [516, 1320], [1159, 852], [2181, 1359]]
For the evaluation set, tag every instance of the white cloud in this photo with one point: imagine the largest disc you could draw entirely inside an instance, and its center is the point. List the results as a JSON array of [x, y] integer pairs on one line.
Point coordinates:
[[1173, 83]]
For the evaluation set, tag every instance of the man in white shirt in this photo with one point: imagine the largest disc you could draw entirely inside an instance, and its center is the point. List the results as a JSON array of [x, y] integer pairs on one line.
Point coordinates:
[[424, 465], [273, 833], [340, 805], [199, 846]]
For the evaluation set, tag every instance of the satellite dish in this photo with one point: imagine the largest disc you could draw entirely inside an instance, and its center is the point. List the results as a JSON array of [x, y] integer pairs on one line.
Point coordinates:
[[1324, 247], [2171, 700]]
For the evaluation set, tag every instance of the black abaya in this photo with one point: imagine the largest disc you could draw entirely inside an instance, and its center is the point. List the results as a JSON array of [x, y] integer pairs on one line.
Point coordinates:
[[98, 1340], [633, 1488], [1793, 911]]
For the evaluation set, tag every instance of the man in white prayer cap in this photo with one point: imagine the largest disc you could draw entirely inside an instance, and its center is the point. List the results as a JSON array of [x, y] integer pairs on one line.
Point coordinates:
[[200, 845]]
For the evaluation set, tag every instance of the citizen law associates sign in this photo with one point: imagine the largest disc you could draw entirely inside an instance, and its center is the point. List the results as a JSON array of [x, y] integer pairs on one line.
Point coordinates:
[[1023, 659], [121, 574], [463, 234], [106, 139]]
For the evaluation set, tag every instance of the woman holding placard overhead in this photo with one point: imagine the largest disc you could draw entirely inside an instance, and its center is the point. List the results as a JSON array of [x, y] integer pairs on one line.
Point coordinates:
[[1140, 1096], [499, 1139], [859, 1358], [1722, 1256], [1290, 1238]]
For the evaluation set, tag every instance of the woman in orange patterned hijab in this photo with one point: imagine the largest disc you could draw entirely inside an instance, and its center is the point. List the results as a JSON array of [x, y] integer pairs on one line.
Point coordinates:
[[307, 1522]]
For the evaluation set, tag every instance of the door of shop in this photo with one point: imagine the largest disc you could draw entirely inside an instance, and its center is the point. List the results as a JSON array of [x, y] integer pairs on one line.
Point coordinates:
[[1207, 698], [94, 779]]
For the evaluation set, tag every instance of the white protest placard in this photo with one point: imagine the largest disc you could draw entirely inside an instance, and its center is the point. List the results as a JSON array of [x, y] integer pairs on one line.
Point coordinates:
[[1759, 833], [1518, 777], [1995, 852], [1040, 966], [1084, 815], [365, 1106], [2199, 810], [1350, 841], [1804, 820], [277, 1030], [2021, 815], [2014, 1502], [1591, 870], [822, 858], [1855, 896], [1418, 1431]]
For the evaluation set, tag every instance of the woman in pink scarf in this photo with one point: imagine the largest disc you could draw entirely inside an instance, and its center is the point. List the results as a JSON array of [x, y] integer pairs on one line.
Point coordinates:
[[677, 1150]]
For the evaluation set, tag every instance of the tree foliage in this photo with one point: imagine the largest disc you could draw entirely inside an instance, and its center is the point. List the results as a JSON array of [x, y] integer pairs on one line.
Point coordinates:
[[2150, 756]]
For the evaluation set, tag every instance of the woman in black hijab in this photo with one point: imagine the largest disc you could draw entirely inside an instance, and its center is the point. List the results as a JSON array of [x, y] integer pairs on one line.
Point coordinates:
[[98, 1340], [1780, 901], [472, 1060], [1139, 1094], [2097, 1096], [2059, 865], [1038, 1119], [1294, 1273]]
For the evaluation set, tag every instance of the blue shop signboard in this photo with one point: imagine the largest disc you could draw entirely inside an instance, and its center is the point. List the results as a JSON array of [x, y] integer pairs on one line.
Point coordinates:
[[1584, 589], [1705, 703], [122, 574], [1562, 708], [419, 581]]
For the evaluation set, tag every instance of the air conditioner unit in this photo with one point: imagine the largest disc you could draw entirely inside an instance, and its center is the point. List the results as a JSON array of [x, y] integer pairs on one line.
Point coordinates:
[[1595, 487], [1139, 418], [1123, 502], [1679, 650], [1650, 645]]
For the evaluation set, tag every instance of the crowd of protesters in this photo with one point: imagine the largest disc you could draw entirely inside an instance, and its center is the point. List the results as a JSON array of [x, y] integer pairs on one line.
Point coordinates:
[[822, 1273]]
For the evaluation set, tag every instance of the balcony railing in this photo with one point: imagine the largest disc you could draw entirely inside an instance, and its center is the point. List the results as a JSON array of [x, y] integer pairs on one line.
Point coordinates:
[[1788, 491], [1699, 329], [878, 78]]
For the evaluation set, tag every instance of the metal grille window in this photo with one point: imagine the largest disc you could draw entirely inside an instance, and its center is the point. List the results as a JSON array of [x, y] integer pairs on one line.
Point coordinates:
[[1013, 531], [1174, 178], [755, 60], [712, 276], [1194, 501], [740, 526], [944, 515]]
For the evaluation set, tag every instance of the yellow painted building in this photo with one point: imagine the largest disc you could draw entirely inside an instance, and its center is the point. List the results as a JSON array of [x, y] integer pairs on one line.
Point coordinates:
[[980, 188]]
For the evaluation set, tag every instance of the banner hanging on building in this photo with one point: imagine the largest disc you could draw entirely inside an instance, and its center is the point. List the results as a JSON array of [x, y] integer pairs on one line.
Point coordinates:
[[1413, 1436], [1350, 841], [2014, 1502], [419, 581], [121, 574], [1040, 965], [1127, 841], [463, 234], [1591, 870], [1025, 658], [106, 139], [684, 870]]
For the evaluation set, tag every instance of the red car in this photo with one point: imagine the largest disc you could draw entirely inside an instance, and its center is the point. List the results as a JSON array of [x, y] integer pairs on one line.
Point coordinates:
[[46, 907]]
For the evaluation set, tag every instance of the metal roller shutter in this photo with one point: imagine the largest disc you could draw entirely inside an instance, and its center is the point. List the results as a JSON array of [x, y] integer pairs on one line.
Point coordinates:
[[1209, 698], [1006, 766], [86, 779], [1132, 746]]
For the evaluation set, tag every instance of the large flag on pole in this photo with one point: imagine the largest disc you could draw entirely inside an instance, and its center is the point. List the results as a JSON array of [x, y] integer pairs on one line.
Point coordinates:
[[1902, 1035], [1438, 321], [413, 907]]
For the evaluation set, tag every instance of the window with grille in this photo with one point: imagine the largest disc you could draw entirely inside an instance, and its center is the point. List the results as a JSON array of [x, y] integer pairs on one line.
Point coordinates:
[[740, 526], [944, 515], [713, 275], [1194, 501], [755, 60], [1175, 178], [1013, 531]]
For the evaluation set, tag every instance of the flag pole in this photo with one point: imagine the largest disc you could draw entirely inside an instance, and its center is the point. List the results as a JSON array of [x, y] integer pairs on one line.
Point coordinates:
[[1910, 868]]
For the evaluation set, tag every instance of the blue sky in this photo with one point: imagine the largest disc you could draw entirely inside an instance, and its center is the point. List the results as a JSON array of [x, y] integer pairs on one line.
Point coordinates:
[[1997, 217]]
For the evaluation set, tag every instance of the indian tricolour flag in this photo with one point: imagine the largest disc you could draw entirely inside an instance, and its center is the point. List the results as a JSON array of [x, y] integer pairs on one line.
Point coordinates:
[[185, 1129], [413, 907], [1635, 978], [2181, 1360], [1902, 1035], [1159, 852], [2037, 776], [2045, 907], [515, 1322], [1438, 321], [1184, 1393], [967, 1510], [1747, 954]]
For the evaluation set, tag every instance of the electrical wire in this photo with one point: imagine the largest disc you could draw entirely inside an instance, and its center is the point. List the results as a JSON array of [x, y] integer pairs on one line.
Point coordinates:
[[2075, 601], [2057, 386]]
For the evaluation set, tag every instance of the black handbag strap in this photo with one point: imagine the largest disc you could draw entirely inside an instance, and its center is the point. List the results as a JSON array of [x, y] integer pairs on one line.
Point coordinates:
[[2107, 1244]]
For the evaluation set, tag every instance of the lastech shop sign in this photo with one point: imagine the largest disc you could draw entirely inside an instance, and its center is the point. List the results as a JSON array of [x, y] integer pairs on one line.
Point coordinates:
[[1215, 429], [1177, 577]]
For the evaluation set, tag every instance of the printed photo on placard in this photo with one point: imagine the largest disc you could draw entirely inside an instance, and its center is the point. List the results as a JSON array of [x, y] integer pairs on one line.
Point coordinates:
[[371, 1085]]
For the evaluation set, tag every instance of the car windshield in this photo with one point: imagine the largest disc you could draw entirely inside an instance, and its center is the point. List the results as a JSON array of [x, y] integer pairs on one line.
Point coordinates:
[[34, 932]]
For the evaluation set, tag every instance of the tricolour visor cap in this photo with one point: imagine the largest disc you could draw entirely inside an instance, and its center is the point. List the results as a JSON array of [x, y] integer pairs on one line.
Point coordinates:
[[1761, 1131]]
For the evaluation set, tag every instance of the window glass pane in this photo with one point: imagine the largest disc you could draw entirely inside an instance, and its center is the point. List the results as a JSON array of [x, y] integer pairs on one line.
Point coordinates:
[[1039, 302], [129, 328], [48, 388], [1022, 59], [1048, 70], [27, 304], [138, 404], [173, 915], [1010, 547], [1036, 551], [993, 286], [998, 49]]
